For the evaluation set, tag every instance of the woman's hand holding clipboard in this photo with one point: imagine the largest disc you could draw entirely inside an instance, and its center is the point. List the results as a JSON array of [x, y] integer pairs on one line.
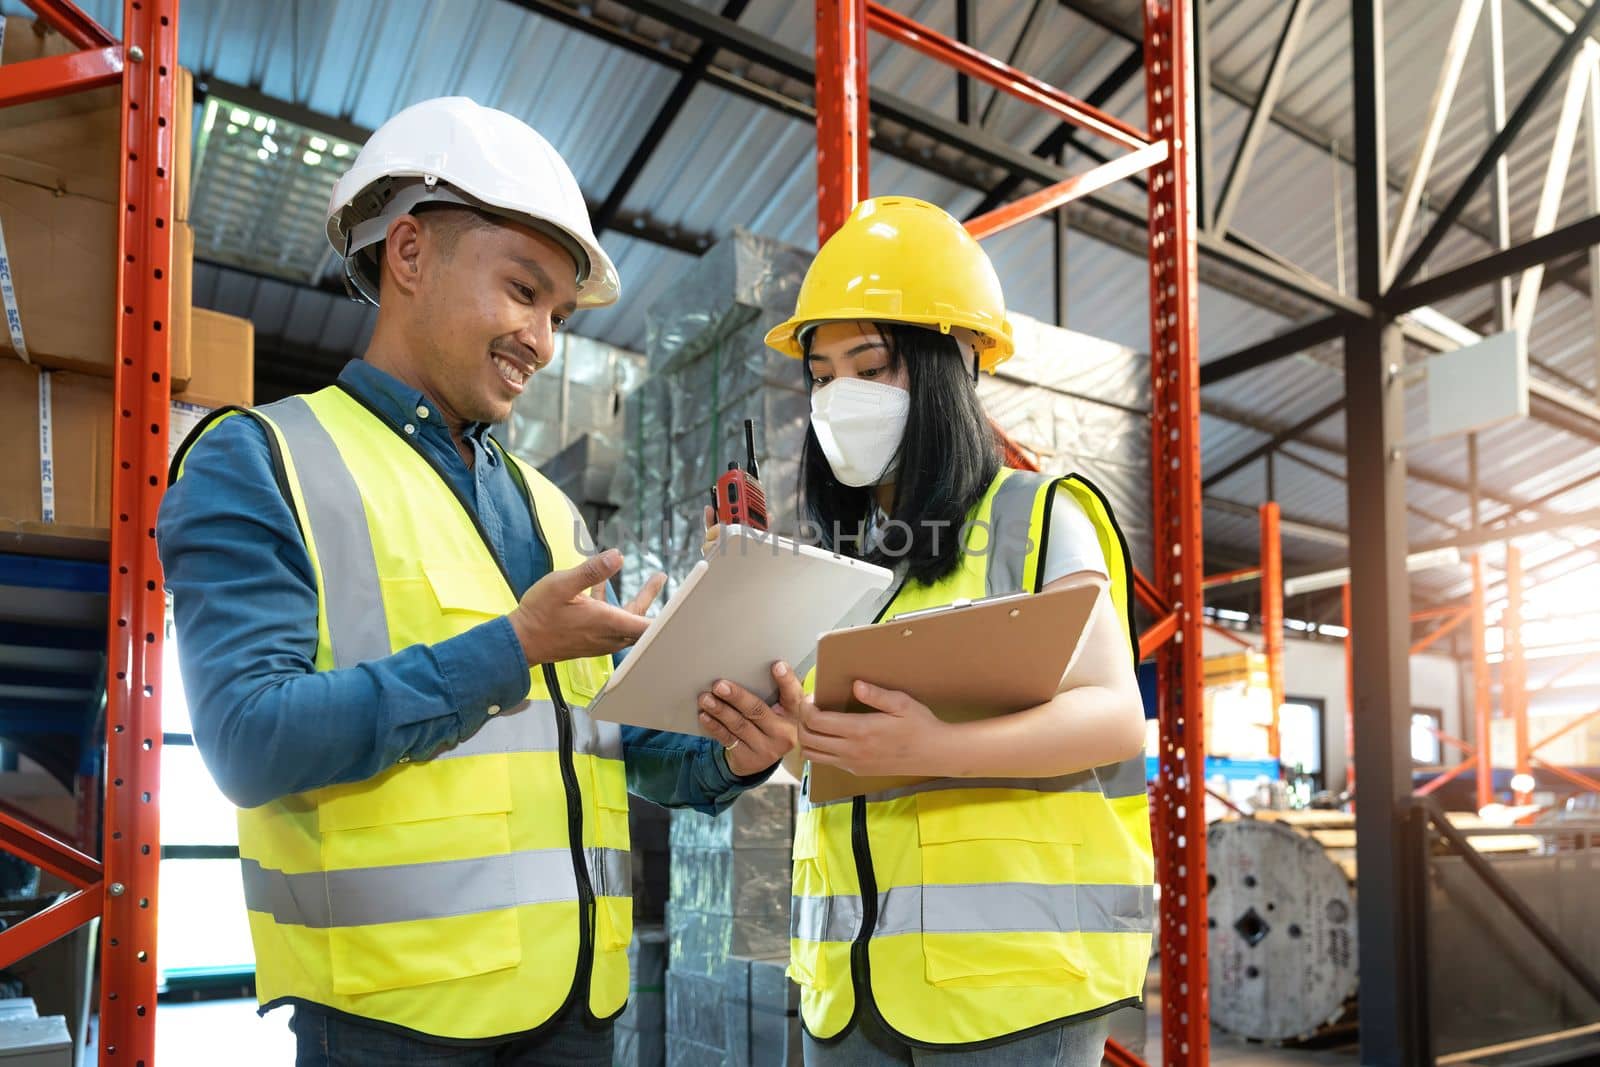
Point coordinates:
[[951, 665]]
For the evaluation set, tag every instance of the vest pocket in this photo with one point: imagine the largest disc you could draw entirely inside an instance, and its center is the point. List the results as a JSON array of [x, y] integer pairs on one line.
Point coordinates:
[[398, 845], [613, 923], [582, 679], [810, 906], [370, 959], [999, 893], [609, 778]]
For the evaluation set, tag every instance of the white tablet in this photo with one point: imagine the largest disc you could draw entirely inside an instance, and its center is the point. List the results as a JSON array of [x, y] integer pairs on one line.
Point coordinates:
[[759, 599]]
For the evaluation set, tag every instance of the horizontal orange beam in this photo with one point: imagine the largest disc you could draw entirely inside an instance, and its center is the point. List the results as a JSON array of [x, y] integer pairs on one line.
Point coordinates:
[[1064, 192], [1582, 781], [1158, 635], [1436, 613], [1118, 1056], [45, 852], [1451, 774], [1002, 76], [1244, 574], [1451, 740], [1441, 632], [70, 21], [42, 79], [1573, 725], [1230, 635], [1149, 595], [53, 923]]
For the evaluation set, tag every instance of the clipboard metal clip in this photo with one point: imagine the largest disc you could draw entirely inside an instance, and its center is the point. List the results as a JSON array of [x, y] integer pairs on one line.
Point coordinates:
[[956, 605]]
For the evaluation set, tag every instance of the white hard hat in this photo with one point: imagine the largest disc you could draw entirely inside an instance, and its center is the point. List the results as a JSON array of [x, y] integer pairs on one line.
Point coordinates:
[[452, 150]]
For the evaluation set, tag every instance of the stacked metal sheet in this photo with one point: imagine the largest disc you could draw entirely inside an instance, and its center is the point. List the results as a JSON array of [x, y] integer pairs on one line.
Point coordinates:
[[709, 371], [762, 1008], [1082, 406], [569, 421], [730, 897], [641, 1028]]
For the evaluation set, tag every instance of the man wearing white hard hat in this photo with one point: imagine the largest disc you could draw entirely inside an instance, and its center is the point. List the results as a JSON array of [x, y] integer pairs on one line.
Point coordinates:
[[389, 629]]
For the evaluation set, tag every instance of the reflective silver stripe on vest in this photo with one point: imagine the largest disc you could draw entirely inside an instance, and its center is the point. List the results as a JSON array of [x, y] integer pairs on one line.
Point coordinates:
[[358, 629], [528, 727], [595, 736], [1011, 532], [369, 895], [531, 727], [999, 908]]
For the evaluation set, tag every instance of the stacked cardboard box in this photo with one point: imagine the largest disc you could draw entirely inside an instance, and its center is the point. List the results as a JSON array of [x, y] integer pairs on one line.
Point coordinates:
[[59, 194], [730, 897], [60, 179]]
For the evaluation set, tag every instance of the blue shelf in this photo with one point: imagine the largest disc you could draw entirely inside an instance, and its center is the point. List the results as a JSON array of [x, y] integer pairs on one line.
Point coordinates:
[[53, 617], [1234, 770]]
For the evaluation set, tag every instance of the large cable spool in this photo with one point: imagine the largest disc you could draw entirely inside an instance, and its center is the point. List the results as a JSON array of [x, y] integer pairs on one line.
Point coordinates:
[[1282, 927]]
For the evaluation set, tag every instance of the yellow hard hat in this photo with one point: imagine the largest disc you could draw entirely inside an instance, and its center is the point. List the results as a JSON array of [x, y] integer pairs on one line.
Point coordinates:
[[899, 259]]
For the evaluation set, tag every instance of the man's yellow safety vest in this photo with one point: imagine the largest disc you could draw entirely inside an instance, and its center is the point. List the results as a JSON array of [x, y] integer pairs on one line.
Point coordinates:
[[966, 910], [477, 892]]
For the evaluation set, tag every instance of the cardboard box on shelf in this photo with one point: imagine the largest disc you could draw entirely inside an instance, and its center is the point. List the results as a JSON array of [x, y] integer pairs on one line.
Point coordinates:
[[61, 253], [179, 326], [55, 432], [59, 210], [76, 136], [182, 144], [222, 361]]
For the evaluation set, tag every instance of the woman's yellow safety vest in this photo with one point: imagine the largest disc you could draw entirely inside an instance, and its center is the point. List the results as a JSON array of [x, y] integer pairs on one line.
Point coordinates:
[[966, 910], [475, 893]]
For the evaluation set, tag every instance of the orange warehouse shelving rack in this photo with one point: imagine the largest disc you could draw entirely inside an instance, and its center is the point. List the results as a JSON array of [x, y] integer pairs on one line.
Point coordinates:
[[120, 887]]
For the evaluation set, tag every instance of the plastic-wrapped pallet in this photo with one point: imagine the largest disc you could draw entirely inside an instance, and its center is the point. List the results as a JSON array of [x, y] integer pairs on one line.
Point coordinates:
[[739, 279], [695, 1019], [730, 897], [1081, 404], [761, 818], [641, 1030], [580, 391], [763, 1013], [649, 827]]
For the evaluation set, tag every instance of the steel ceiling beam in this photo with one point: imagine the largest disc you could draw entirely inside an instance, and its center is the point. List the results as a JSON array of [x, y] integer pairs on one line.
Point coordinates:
[[1260, 116], [1065, 135], [687, 18], [688, 78], [1574, 237], [1272, 444], [1030, 26], [1279, 346], [1553, 69], [1492, 535]]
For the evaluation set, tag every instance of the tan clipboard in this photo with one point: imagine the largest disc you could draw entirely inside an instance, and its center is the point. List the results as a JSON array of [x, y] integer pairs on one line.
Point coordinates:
[[965, 662]]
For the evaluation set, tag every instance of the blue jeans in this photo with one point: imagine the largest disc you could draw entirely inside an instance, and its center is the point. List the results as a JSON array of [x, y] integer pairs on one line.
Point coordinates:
[[324, 1040], [869, 1045]]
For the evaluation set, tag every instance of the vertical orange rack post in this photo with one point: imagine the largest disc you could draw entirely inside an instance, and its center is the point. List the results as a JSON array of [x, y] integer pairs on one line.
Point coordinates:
[[1174, 595], [122, 887]]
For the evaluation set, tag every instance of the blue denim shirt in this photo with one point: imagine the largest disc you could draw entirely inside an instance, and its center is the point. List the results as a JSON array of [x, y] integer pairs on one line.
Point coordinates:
[[244, 597]]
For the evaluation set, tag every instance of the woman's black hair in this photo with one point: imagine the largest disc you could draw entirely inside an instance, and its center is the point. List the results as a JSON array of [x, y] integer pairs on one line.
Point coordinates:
[[946, 462]]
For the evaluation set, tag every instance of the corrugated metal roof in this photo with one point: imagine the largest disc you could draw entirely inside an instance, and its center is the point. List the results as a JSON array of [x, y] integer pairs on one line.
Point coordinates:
[[726, 161]]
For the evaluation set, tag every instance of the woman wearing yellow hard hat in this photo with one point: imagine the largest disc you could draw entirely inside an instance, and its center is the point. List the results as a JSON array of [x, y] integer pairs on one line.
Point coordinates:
[[1001, 910]]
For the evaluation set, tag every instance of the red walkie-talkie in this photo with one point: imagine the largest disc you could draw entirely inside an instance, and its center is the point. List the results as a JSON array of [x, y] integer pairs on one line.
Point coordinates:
[[739, 498]]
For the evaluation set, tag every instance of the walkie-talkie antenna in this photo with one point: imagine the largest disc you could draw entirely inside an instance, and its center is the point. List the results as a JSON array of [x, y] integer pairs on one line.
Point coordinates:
[[750, 447]]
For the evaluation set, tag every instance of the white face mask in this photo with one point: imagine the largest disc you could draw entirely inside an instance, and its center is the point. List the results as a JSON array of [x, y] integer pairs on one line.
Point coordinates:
[[859, 425]]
